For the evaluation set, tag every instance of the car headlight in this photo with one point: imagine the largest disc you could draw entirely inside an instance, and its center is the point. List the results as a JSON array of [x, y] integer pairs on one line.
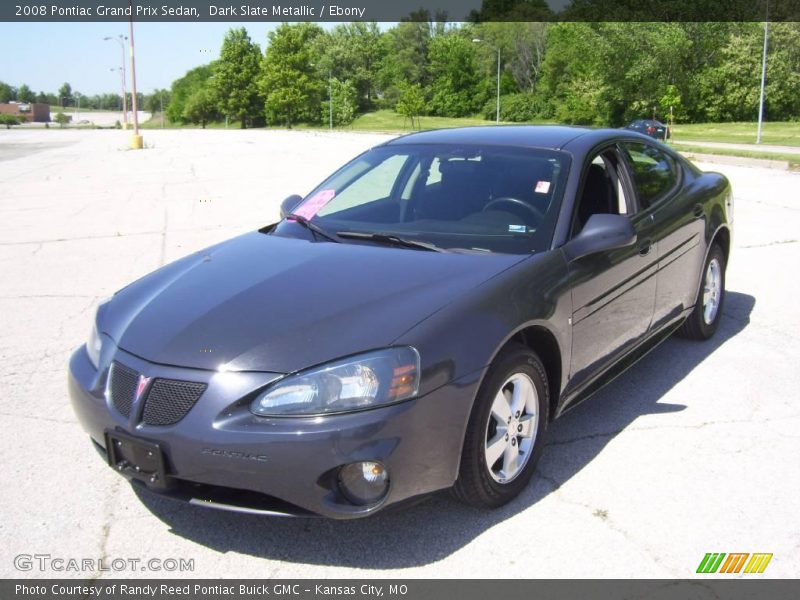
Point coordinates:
[[95, 342], [364, 381]]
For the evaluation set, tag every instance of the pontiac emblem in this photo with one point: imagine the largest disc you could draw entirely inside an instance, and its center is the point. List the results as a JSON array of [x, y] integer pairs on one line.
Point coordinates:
[[141, 386]]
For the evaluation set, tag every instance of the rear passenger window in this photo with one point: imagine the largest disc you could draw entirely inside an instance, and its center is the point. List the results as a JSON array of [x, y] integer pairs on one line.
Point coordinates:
[[654, 172]]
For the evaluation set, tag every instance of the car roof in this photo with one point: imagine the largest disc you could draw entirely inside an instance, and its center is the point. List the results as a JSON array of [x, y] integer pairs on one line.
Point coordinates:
[[552, 137]]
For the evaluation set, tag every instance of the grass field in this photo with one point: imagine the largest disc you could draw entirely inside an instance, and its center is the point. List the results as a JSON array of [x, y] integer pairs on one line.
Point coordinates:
[[781, 133], [388, 120]]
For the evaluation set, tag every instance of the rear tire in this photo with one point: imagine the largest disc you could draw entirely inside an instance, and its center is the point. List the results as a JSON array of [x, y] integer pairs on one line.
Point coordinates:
[[506, 430], [703, 321]]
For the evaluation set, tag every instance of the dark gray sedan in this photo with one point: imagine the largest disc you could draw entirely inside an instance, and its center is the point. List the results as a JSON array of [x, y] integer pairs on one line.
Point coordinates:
[[651, 127], [413, 324]]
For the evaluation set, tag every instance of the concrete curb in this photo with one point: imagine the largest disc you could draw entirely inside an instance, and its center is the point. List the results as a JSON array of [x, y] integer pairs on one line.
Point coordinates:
[[738, 161]]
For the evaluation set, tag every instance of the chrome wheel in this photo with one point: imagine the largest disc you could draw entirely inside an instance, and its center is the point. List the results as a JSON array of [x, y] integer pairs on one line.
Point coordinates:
[[712, 291], [511, 430]]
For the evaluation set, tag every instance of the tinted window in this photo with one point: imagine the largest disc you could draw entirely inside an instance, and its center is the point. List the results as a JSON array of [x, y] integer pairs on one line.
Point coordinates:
[[483, 198], [654, 172]]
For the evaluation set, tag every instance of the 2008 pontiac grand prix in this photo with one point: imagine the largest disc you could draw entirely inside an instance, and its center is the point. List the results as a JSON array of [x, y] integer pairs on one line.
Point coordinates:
[[413, 324]]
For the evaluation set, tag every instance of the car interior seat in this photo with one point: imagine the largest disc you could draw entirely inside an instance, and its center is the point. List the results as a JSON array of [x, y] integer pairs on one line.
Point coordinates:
[[598, 196], [462, 190]]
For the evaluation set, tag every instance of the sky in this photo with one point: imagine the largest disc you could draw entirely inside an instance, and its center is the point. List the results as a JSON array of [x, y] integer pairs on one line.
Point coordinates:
[[45, 55]]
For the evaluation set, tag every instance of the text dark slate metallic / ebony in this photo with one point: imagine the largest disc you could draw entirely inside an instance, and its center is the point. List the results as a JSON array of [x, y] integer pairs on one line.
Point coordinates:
[[414, 324]]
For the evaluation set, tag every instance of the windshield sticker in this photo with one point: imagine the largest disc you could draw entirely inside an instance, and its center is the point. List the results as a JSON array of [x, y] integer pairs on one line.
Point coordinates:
[[542, 187], [517, 229], [314, 204]]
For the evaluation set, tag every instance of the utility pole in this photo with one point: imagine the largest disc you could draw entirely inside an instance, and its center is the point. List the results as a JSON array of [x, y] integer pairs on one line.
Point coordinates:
[[136, 140], [763, 78]]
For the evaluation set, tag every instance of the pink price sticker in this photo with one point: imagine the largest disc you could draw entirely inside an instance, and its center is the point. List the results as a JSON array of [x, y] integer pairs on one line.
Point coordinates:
[[542, 187], [314, 204]]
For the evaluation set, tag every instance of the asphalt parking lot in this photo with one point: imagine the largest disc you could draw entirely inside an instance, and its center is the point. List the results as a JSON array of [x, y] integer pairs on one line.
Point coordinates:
[[695, 450]]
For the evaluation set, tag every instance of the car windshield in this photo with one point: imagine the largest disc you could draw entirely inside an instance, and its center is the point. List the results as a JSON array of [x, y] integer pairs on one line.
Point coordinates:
[[474, 198]]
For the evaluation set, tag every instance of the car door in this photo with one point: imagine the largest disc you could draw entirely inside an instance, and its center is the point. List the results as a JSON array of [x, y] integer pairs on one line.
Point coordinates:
[[677, 227], [613, 291]]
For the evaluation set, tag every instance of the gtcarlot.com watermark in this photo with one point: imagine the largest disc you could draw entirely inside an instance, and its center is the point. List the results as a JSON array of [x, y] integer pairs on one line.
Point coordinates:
[[48, 562]]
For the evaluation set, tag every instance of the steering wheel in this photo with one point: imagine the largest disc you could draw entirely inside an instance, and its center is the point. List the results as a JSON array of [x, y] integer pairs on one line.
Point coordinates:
[[516, 202]]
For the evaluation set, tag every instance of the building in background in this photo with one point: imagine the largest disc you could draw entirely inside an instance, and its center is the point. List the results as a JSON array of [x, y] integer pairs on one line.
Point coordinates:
[[34, 112]]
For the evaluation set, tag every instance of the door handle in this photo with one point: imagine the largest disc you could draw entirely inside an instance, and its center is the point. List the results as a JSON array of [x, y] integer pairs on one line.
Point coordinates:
[[698, 210], [645, 247]]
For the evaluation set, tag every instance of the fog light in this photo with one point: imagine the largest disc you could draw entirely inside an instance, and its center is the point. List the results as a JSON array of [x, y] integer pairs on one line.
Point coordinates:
[[364, 483]]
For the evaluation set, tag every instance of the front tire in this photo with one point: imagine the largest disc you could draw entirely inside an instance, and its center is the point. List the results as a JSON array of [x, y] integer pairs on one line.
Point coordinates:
[[505, 433], [703, 321]]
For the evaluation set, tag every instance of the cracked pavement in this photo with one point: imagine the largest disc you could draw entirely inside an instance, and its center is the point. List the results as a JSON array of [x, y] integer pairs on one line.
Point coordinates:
[[689, 452]]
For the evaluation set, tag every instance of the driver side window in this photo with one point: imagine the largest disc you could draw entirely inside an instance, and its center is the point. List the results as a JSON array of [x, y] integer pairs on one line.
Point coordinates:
[[602, 191]]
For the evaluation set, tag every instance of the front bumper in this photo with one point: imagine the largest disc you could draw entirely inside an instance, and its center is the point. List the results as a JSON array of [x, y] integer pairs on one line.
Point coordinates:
[[222, 455]]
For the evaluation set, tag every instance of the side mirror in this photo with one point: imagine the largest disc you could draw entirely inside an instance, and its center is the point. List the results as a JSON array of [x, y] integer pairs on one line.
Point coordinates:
[[601, 232], [288, 205]]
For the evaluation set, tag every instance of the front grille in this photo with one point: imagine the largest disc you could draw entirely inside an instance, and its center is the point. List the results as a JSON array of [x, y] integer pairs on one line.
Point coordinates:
[[169, 400], [166, 401], [122, 388]]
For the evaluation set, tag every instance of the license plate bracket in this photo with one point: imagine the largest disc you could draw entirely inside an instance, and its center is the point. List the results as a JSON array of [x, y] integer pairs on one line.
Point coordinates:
[[136, 458]]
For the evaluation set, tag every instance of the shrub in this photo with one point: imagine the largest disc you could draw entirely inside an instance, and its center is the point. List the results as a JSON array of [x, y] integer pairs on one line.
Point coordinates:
[[8, 120], [62, 119], [516, 108], [411, 103]]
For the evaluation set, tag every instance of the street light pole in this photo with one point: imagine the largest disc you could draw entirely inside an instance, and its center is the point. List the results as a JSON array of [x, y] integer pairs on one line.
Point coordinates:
[[763, 79], [330, 100], [136, 141], [122, 78], [120, 39], [498, 87], [497, 111]]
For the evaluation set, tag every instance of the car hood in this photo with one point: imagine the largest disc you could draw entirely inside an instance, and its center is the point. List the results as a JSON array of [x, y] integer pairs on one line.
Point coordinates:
[[268, 303]]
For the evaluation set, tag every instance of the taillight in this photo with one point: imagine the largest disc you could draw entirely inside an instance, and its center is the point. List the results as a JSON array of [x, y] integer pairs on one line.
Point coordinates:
[[651, 129]]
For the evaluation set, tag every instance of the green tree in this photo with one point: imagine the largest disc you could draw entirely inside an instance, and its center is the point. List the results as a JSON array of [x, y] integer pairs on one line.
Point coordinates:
[[522, 49], [236, 75], [65, 95], [782, 94], [405, 53], [671, 103], [352, 52], [411, 103], [571, 80], [289, 82], [8, 120], [6, 92], [454, 77], [156, 100], [183, 88], [25, 94], [729, 87], [201, 107], [345, 103], [62, 119]]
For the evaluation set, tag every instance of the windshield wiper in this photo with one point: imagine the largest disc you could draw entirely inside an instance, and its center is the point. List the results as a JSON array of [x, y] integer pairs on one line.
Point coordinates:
[[386, 238], [312, 227]]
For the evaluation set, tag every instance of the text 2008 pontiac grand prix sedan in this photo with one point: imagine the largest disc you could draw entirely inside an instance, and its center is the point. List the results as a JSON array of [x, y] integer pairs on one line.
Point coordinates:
[[413, 324]]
